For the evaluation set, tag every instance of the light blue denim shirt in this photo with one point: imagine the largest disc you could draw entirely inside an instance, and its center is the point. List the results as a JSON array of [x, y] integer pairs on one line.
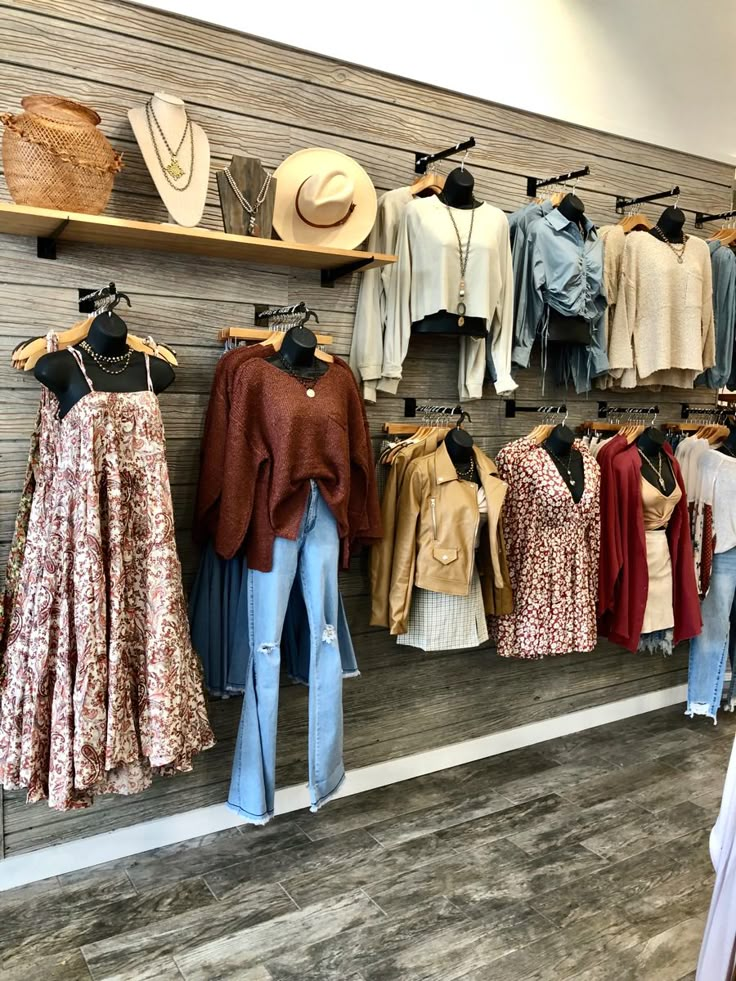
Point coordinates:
[[723, 263], [561, 270]]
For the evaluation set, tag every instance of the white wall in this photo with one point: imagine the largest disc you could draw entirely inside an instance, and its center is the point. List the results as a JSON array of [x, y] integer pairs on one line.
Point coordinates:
[[654, 70]]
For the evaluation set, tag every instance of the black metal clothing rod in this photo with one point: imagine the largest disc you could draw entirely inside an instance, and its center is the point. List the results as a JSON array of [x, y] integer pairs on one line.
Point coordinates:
[[533, 183], [701, 219], [623, 203], [550, 410], [423, 160]]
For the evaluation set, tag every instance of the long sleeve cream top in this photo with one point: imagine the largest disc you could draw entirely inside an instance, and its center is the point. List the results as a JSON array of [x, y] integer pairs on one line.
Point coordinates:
[[663, 331], [426, 280], [366, 350]]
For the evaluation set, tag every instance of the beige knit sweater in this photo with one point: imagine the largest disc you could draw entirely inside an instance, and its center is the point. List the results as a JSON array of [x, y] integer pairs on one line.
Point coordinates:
[[662, 331]]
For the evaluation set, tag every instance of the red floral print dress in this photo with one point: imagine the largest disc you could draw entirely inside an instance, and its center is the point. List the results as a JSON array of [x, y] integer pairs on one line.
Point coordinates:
[[552, 547], [102, 684]]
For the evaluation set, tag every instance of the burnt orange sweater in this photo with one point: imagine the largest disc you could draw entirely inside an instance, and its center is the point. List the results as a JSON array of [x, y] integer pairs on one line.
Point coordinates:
[[278, 439]]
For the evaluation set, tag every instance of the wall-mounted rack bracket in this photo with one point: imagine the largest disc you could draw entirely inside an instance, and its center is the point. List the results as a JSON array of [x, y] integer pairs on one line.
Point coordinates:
[[422, 159], [701, 219], [512, 408], [328, 277], [411, 409], [623, 203], [534, 183], [46, 245]]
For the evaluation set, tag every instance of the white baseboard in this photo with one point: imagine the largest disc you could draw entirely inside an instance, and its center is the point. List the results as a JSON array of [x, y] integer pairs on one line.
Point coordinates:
[[72, 856]]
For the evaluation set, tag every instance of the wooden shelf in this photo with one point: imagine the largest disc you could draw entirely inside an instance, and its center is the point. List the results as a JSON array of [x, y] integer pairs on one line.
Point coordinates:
[[51, 227]]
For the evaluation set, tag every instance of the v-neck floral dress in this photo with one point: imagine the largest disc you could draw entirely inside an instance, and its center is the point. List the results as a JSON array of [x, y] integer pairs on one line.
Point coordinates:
[[102, 686], [552, 547]]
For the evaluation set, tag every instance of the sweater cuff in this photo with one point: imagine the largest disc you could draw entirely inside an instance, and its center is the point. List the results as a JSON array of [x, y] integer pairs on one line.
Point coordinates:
[[389, 385], [520, 355], [369, 391], [505, 385]]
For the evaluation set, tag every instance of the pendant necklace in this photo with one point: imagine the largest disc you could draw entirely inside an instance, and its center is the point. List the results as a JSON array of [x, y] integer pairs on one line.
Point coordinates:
[[173, 170], [463, 262], [657, 470], [562, 465], [308, 383], [251, 210], [679, 252]]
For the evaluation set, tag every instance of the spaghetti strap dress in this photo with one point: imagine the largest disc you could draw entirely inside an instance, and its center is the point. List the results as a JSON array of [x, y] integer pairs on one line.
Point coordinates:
[[102, 686]]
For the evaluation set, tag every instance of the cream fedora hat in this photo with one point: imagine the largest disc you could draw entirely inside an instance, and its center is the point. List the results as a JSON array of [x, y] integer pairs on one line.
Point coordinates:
[[323, 197]]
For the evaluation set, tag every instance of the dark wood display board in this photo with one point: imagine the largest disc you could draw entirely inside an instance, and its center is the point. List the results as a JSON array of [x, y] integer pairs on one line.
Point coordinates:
[[249, 176]]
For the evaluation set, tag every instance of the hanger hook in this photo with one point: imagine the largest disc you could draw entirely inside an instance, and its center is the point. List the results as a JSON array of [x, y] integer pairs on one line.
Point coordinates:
[[465, 157]]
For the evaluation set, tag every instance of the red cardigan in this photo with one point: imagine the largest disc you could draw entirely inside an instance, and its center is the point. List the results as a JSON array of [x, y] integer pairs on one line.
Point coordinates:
[[623, 583]]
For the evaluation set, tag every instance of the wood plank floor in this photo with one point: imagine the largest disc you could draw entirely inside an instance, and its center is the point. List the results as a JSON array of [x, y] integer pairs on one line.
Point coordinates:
[[582, 858]]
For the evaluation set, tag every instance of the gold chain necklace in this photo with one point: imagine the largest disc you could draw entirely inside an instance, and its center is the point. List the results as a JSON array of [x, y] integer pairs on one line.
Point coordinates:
[[679, 253], [173, 170], [658, 469]]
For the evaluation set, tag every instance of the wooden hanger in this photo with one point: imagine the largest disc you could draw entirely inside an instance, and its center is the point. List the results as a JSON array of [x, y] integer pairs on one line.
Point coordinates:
[[428, 184], [26, 356], [274, 338], [631, 223]]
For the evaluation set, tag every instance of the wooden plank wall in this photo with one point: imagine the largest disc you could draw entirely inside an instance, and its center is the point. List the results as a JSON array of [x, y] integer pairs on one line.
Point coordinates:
[[256, 98]]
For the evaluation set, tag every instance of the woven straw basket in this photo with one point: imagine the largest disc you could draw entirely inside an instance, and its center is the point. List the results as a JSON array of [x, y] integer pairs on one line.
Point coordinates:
[[55, 157]]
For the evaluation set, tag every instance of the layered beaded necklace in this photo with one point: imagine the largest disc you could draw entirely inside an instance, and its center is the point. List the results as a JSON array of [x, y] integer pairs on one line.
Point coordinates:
[[679, 251], [104, 361]]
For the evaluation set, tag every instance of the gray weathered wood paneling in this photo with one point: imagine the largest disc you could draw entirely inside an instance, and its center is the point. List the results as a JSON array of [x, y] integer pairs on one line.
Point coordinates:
[[261, 99]]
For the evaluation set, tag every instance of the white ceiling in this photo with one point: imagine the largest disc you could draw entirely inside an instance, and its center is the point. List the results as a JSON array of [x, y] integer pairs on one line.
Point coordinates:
[[653, 70]]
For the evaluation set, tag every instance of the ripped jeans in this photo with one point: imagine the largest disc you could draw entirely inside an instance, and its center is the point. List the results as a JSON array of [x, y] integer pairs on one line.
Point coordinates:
[[314, 558], [709, 650]]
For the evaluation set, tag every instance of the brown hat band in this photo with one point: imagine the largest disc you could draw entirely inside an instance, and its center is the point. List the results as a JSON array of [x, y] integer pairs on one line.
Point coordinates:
[[312, 224]]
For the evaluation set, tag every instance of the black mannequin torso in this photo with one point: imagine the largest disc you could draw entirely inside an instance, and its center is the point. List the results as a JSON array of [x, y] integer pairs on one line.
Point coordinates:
[[651, 444], [459, 446], [108, 336], [297, 353], [568, 460], [457, 193], [670, 224]]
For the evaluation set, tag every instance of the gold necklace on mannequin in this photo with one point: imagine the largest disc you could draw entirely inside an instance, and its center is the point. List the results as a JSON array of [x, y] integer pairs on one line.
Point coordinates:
[[172, 171]]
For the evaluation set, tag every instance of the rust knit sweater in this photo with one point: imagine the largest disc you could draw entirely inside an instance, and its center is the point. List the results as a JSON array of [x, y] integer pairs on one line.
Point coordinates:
[[214, 439], [278, 439]]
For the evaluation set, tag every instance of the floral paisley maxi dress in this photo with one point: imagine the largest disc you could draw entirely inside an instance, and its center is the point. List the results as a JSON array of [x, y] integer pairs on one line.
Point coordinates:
[[102, 684], [553, 546]]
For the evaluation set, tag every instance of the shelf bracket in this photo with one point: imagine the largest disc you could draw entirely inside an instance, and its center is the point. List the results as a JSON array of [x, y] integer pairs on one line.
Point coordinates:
[[330, 276], [46, 245]]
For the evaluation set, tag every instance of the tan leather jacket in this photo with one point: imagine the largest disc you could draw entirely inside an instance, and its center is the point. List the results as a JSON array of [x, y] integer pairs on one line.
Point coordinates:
[[382, 553], [434, 546]]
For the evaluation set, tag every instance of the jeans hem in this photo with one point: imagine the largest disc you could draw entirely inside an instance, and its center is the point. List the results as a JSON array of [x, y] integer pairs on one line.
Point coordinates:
[[326, 798], [351, 674], [701, 708], [259, 819]]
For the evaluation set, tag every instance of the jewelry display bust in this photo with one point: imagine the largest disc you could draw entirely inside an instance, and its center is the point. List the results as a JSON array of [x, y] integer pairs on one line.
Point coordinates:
[[176, 152]]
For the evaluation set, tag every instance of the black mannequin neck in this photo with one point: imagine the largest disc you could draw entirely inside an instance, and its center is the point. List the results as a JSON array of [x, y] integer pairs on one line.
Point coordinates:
[[299, 347], [459, 445], [458, 189], [651, 442], [567, 460], [572, 208], [108, 335], [560, 441], [670, 224]]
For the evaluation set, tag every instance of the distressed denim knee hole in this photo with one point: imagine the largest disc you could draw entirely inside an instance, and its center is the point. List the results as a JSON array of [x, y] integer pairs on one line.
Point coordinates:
[[329, 634], [267, 648]]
